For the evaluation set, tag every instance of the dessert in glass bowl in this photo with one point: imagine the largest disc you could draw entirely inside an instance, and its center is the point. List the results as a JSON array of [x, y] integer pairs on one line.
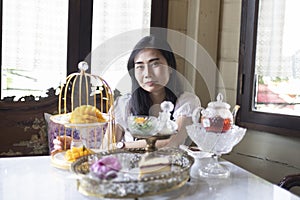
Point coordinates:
[[142, 126], [153, 128]]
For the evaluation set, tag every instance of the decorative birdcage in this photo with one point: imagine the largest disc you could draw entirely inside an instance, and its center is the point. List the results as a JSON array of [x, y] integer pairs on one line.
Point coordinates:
[[85, 112]]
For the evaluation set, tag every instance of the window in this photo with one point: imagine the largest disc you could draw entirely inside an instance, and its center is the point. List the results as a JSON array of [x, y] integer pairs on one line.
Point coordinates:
[[277, 63], [266, 72], [34, 46], [43, 41]]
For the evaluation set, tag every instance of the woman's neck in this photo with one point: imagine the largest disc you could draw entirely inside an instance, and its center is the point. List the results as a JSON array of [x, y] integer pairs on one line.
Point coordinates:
[[158, 97]]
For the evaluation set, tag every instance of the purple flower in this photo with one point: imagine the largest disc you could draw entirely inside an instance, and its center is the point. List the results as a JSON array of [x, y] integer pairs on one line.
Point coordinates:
[[106, 167]]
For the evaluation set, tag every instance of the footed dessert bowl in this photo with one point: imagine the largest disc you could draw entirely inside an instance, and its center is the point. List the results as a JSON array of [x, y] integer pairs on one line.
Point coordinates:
[[148, 128], [142, 126], [217, 143], [153, 128], [213, 131]]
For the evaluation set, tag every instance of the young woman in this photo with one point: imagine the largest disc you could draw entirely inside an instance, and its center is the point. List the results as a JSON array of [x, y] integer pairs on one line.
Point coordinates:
[[152, 67]]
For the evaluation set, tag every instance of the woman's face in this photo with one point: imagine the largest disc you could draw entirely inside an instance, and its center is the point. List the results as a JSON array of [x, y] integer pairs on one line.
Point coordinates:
[[151, 70]]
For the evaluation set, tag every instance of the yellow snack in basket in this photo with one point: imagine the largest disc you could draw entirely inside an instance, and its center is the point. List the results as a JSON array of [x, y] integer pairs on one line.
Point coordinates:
[[76, 152], [86, 114]]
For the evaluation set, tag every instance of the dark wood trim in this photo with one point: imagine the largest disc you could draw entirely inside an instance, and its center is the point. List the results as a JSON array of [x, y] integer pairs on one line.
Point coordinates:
[[271, 129], [159, 17], [275, 123], [246, 59], [1, 10], [159, 13], [79, 32]]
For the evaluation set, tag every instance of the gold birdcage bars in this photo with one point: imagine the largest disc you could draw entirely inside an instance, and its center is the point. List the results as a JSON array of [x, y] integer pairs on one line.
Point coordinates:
[[80, 89]]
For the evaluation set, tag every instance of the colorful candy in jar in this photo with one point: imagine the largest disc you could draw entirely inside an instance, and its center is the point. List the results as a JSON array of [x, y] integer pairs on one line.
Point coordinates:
[[217, 117], [216, 124]]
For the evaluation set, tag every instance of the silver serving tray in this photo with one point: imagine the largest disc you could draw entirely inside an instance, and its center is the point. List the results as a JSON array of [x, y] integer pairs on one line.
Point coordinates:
[[128, 183]]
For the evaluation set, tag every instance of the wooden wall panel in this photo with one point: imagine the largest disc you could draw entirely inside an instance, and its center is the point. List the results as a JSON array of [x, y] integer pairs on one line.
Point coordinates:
[[23, 130]]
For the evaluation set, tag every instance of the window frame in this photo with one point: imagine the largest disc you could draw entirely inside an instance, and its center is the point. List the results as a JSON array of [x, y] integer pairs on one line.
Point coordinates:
[[275, 123]]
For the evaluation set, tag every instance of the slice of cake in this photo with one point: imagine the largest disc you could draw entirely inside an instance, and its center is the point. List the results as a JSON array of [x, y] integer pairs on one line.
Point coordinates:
[[153, 165]]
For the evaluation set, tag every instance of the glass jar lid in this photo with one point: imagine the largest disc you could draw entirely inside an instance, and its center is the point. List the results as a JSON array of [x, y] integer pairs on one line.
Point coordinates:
[[219, 103]]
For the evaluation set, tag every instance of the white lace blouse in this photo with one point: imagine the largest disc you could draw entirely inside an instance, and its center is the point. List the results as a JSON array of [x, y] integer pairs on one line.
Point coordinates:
[[185, 105]]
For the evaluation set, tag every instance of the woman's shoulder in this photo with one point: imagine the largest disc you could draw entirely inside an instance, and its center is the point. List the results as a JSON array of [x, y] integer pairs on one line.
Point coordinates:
[[185, 105], [123, 99], [188, 97], [121, 104], [121, 108]]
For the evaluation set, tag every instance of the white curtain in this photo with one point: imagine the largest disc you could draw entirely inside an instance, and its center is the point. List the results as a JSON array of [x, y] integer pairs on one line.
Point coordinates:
[[34, 46], [117, 26], [269, 59], [278, 43]]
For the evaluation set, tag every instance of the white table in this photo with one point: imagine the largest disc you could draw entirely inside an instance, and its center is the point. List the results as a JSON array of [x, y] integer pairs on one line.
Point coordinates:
[[35, 178]]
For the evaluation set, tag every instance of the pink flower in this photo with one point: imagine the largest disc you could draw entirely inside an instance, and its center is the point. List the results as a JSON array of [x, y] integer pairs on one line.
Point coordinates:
[[106, 168]]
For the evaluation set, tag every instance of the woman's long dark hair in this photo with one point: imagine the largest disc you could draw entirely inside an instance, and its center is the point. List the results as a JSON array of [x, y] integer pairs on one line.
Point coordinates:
[[141, 102]]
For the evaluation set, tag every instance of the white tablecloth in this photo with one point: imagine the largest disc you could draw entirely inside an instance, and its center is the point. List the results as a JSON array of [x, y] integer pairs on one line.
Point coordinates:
[[34, 178]]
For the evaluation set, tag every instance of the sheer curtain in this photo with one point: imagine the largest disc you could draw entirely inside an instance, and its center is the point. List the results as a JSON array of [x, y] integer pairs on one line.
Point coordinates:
[[269, 58], [34, 46], [278, 41], [117, 26]]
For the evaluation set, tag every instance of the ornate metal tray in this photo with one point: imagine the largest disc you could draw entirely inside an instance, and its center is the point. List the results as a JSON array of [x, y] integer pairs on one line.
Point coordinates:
[[128, 183]]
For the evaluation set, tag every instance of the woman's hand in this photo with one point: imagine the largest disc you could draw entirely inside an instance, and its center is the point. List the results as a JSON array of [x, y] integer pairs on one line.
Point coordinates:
[[62, 143]]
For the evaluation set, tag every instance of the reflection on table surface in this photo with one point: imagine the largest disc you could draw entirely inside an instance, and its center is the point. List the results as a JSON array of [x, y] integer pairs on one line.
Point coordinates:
[[35, 178]]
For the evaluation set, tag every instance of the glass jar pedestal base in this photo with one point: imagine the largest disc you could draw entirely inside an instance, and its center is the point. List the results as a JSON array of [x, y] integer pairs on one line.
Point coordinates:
[[216, 143], [211, 168]]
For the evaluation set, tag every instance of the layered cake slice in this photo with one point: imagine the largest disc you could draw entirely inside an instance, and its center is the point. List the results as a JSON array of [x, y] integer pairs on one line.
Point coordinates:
[[153, 165]]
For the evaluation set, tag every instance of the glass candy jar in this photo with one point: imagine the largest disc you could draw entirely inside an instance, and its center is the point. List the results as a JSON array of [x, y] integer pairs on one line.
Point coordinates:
[[217, 117]]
